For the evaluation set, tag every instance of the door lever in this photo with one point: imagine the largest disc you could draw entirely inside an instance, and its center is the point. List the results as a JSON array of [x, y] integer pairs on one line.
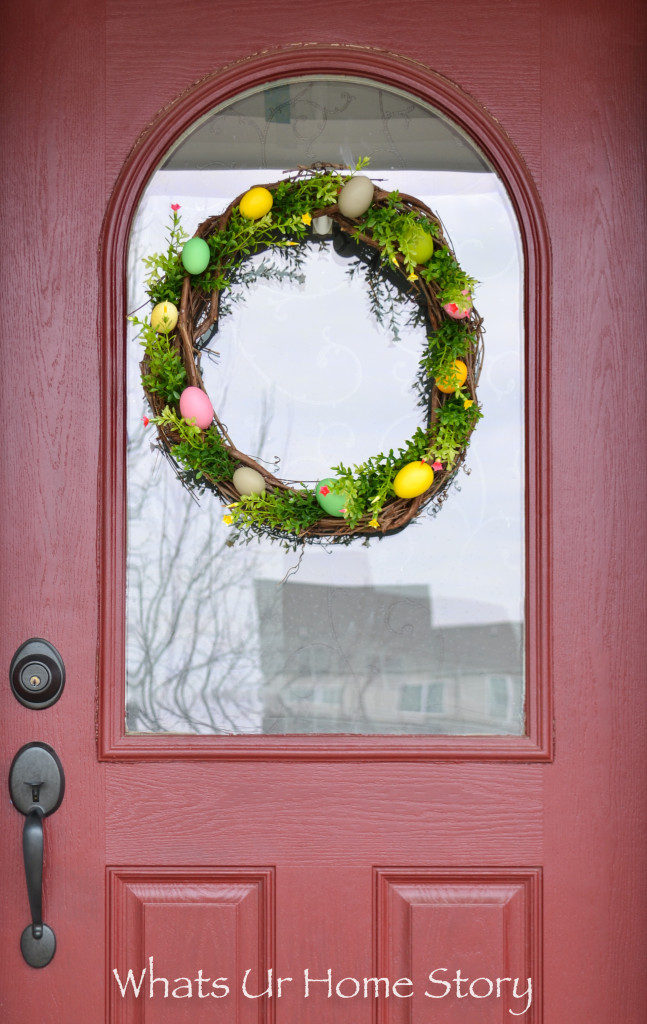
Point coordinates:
[[37, 785]]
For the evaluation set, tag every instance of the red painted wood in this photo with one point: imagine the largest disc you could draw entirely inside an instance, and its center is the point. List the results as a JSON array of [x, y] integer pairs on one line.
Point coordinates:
[[188, 938], [53, 196], [565, 81], [456, 935], [593, 70], [383, 67]]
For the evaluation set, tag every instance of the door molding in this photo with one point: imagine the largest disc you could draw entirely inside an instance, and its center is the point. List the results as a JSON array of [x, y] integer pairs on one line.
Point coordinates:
[[377, 66]]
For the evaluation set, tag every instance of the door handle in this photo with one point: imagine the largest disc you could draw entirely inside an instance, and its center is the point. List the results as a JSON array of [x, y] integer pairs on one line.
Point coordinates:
[[32, 851], [37, 785]]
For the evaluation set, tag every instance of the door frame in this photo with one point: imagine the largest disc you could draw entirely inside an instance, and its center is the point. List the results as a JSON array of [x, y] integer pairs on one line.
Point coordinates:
[[375, 66]]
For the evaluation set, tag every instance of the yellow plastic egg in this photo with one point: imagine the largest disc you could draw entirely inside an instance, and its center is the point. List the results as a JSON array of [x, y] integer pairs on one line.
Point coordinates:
[[452, 383], [164, 317], [413, 479], [256, 203]]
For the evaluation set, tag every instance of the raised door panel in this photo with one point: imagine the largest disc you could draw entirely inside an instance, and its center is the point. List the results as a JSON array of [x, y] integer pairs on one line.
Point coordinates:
[[184, 941], [468, 941]]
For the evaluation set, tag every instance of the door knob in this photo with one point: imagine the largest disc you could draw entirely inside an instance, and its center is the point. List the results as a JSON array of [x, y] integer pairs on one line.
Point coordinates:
[[37, 785]]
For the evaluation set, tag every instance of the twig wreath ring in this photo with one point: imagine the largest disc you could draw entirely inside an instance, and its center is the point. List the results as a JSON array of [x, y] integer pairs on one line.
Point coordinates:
[[395, 239]]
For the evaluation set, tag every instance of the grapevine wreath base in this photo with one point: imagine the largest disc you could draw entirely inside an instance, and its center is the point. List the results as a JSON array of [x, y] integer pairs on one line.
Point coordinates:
[[400, 246]]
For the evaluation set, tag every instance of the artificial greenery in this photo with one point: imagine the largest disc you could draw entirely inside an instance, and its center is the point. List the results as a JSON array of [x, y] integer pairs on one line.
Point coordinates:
[[394, 281], [165, 272], [162, 373]]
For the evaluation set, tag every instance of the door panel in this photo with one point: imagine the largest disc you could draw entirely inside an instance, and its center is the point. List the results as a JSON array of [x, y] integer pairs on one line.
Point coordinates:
[[204, 926], [356, 860]]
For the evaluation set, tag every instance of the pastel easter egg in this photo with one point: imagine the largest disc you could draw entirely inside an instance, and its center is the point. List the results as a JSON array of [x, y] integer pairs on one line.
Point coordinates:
[[417, 244], [164, 317], [454, 381], [332, 502], [256, 203], [195, 256], [356, 196], [413, 479], [459, 310], [248, 481], [195, 407]]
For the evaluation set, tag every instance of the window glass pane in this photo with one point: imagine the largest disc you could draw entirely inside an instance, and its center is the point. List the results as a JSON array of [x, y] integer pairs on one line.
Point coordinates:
[[400, 635]]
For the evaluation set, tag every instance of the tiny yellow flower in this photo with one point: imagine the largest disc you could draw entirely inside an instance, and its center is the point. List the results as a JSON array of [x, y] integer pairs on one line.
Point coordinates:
[[306, 218], [291, 243], [228, 520], [374, 523], [233, 504], [467, 403], [412, 276], [394, 259]]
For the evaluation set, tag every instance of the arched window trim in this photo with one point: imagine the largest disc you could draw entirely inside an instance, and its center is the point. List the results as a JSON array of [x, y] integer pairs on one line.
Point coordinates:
[[376, 66]]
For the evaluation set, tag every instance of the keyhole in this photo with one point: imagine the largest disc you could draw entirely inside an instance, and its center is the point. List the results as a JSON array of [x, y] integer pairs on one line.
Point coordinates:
[[34, 681]]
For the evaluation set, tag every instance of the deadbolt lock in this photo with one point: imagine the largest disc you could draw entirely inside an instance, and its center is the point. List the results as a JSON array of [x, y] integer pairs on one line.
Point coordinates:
[[37, 674]]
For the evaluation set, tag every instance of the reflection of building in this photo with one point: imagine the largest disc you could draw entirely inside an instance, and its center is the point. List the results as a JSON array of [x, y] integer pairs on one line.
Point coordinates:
[[369, 660]]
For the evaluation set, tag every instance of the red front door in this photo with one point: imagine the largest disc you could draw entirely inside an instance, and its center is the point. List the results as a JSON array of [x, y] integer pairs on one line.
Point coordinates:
[[202, 868]]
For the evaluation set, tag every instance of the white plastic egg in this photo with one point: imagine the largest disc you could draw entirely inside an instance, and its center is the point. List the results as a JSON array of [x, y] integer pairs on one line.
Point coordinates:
[[356, 196], [248, 481]]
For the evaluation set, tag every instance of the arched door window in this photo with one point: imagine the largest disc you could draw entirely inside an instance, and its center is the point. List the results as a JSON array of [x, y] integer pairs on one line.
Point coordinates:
[[401, 635]]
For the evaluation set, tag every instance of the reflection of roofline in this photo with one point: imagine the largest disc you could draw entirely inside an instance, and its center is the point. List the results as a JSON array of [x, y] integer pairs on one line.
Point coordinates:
[[390, 627]]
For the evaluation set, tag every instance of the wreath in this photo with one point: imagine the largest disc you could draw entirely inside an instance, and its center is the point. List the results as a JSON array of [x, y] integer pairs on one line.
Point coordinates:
[[400, 246]]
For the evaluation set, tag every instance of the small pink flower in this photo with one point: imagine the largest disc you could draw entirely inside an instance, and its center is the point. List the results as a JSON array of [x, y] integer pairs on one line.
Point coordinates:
[[324, 490], [436, 465], [175, 206], [145, 421]]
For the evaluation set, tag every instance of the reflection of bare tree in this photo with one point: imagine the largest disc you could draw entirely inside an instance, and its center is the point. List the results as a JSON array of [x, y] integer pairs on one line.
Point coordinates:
[[192, 658]]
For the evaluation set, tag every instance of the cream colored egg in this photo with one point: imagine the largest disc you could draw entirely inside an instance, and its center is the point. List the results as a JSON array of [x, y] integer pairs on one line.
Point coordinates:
[[248, 481], [356, 196]]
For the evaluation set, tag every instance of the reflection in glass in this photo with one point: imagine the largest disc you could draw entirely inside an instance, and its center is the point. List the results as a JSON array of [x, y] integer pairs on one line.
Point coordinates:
[[417, 633]]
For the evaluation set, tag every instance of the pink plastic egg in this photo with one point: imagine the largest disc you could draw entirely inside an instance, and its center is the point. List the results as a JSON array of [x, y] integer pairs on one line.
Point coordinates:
[[195, 406], [459, 310]]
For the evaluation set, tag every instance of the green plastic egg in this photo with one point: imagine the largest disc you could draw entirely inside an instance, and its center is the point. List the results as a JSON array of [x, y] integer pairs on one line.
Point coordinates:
[[195, 256], [417, 244], [332, 502], [413, 479]]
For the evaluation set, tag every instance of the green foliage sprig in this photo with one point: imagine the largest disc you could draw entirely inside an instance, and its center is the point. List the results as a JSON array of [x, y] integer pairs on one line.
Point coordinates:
[[453, 282], [162, 373], [165, 271], [292, 511], [201, 451]]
